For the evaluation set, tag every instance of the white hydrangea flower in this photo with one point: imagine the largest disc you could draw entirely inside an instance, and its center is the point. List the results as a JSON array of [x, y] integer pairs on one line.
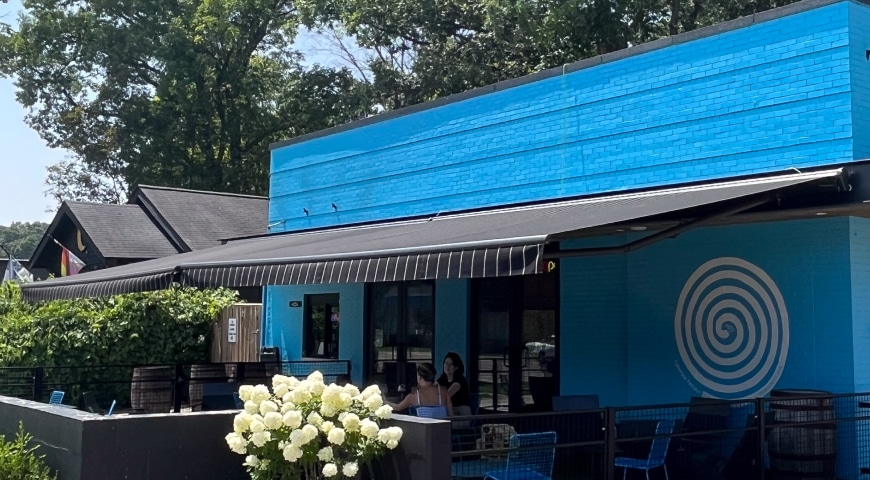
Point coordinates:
[[245, 392], [387, 435], [373, 403], [257, 426], [237, 443], [279, 379], [252, 407], [291, 453], [315, 419], [261, 438], [260, 394], [242, 421], [292, 419], [298, 438], [317, 388], [369, 429], [325, 427], [384, 412], [336, 436], [371, 390], [273, 420], [392, 444], [351, 390], [343, 401], [268, 406], [316, 377], [310, 432], [287, 405], [350, 469], [281, 390], [351, 422], [330, 470], [325, 454], [251, 461], [300, 395], [328, 410]]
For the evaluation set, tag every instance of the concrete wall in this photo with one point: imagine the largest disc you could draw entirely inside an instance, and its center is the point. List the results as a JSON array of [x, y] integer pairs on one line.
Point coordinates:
[[747, 98], [84, 446], [619, 314]]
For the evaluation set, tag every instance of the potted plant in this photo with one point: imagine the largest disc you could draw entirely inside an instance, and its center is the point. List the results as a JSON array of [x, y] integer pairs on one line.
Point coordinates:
[[307, 430]]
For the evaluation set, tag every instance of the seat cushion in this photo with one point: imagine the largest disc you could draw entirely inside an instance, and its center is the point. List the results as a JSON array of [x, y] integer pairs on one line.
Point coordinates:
[[516, 474]]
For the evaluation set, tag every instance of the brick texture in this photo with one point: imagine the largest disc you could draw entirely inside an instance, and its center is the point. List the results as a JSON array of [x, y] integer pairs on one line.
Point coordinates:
[[763, 98]]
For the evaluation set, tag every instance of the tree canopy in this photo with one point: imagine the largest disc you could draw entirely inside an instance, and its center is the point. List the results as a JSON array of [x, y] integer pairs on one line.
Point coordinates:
[[185, 93], [21, 238]]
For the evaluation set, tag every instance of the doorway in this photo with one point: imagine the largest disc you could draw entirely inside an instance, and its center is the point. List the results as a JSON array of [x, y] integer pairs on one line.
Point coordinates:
[[515, 344], [321, 326], [401, 333]]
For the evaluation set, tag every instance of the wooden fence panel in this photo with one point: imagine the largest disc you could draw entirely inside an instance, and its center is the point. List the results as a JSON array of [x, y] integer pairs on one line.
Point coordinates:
[[246, 347]]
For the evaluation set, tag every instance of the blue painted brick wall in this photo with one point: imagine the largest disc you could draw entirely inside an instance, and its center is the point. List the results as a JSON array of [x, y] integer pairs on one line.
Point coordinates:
[[859, 41], [761, 98], [618, 311]]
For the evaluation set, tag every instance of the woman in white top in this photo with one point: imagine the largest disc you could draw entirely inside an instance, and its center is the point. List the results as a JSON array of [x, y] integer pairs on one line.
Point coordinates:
[[428, 394]]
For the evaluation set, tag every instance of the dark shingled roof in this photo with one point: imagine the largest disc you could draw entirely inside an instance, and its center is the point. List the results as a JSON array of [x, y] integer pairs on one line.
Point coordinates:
[[203, 219], [121, 231]]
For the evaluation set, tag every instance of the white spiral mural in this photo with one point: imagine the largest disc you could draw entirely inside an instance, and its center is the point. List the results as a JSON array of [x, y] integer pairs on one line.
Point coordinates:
[[731, 328]]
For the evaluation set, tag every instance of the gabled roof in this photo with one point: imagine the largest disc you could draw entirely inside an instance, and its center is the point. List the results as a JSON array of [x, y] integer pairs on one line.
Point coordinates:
[[121, 231], [195, 219]]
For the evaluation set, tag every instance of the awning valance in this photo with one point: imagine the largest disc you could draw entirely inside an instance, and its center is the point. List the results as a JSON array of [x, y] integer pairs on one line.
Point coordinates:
[[498, 242]]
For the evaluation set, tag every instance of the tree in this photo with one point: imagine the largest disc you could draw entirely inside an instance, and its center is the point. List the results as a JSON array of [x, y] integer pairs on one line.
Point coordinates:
[[178, 93], [421, 50], [21, 238]]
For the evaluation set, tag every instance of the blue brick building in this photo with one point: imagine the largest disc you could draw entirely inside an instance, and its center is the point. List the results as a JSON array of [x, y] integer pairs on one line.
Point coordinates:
[[778, 92], [684, 218]]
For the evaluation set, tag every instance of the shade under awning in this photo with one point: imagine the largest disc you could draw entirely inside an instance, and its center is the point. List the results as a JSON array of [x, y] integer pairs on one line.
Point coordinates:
[[498, 242]]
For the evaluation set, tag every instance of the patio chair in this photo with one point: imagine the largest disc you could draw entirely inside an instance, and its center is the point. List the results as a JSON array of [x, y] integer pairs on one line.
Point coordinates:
[[56, 397], [111, 408], [89, 402], [657, 452], [527, 460]]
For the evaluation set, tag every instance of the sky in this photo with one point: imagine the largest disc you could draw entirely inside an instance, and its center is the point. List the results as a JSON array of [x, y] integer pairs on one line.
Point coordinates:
[[24, 156]]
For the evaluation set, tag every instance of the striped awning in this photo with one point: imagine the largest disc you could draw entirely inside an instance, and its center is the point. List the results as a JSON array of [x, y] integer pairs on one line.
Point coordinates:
[[492, 243]]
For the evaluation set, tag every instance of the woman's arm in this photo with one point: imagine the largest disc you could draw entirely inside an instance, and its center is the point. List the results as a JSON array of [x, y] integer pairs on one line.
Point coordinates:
[[449, 405], [454, 387], [404, 404]]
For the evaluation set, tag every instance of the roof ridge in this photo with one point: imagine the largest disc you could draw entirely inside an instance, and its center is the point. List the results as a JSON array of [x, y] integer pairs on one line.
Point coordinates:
[[202, 192]]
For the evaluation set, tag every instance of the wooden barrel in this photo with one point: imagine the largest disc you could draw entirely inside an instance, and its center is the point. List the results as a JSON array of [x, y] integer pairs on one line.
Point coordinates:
[[151, 391], [808, 447], [202, 374]]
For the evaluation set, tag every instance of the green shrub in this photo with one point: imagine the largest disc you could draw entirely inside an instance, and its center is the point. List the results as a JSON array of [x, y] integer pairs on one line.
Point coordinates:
[[18, 461], [168, 326]]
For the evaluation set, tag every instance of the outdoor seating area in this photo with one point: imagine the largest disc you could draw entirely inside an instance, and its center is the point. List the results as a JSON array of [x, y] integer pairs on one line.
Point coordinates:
[[814, 435]]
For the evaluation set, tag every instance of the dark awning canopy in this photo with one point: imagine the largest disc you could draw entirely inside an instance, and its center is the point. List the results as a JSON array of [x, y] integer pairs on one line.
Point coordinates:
[[491, 243]]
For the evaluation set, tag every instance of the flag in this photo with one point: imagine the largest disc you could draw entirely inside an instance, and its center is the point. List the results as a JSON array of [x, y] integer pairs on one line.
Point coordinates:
[[69, 263], [16, 272]]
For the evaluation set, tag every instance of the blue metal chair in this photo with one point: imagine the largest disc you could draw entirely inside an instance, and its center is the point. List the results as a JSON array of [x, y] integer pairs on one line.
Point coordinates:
[[56, 397], [431, 411], [657, 452], [111, 409], [527, 460]]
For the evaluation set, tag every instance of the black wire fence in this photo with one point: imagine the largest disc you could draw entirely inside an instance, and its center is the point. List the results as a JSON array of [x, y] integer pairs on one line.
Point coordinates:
[[155, 388], [789, 436]]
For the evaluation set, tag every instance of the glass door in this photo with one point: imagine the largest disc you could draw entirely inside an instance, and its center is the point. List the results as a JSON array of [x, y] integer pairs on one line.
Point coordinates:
[[515, 342], [320, 332], [401, 318]]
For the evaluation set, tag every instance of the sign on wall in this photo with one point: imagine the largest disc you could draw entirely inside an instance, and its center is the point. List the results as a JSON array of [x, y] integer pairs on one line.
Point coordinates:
[[232, 330], [731, 329]]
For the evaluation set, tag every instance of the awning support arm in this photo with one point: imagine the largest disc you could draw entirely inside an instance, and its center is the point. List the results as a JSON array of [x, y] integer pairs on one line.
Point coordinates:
[[672, 232]]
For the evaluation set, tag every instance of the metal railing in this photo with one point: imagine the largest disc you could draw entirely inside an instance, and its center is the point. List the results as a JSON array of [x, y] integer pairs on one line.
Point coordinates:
[[798, 435], [159, 388]]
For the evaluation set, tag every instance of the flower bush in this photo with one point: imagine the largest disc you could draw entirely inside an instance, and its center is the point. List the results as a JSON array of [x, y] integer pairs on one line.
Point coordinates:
[[309, 430]]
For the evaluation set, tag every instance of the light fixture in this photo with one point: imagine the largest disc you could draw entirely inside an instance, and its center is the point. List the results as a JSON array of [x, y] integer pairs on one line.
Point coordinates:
[[638, 228]]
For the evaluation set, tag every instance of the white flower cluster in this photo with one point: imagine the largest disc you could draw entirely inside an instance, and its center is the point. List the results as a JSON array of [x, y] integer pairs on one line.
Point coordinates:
[[307, 426]]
